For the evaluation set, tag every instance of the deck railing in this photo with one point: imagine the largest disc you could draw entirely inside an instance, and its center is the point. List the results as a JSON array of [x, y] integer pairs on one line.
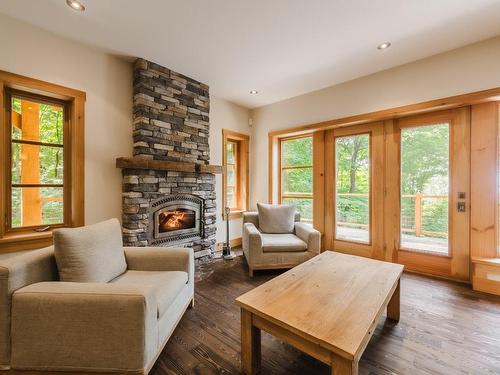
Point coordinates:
[[417, 216]]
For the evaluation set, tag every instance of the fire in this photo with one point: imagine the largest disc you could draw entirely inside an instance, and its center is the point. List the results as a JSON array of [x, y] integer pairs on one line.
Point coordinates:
[[176, 220]]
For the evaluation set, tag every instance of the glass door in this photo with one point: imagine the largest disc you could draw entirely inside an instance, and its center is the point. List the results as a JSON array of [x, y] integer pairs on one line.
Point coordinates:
[[354, 189], [434, 166]]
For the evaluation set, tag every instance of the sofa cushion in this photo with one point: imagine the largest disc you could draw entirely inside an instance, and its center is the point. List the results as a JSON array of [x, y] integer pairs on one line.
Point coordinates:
[[166, 284], [277, 243], [274, 218], [93, 253]]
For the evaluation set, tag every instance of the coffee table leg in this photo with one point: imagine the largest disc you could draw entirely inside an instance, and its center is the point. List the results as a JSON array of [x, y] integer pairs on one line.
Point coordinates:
[[250, 344], [342, 366], [393, 307]]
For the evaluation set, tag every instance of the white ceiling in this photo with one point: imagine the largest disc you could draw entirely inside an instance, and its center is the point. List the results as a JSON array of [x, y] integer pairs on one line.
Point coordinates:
[[282, 48]]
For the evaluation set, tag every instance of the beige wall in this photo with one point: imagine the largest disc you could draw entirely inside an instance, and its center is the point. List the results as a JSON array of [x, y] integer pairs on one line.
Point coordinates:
[[107, 80], [471, 68], [225, 115], [29, 51]]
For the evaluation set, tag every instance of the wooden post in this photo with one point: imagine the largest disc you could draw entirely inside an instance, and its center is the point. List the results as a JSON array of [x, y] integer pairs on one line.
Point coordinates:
[[418, 215], [30, 164]]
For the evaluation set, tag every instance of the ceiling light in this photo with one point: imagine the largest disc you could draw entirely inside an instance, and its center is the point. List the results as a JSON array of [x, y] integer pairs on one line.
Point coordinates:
[[384, 45], [75, 5], [253, 92]]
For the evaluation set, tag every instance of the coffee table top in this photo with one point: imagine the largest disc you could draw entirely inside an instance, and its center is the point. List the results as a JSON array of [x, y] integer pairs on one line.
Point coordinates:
[[332, 299]]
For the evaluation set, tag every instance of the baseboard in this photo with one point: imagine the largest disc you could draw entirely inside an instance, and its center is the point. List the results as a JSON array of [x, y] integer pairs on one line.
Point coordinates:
[[233, 243]]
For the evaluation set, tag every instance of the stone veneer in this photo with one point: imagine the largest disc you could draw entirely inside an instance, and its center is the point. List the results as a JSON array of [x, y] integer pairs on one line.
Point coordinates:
[[171, 122]]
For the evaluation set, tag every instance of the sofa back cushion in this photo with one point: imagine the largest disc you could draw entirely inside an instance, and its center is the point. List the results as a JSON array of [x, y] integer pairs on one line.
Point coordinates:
[[276, 218], [93, 253]]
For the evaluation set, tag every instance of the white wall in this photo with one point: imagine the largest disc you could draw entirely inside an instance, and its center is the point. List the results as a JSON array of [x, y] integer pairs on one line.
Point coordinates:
[[468, 69], [225, 115], [107, 80]]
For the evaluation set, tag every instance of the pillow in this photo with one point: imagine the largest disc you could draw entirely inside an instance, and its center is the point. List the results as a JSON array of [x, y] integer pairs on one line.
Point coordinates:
[[275, 218], [93, 253]]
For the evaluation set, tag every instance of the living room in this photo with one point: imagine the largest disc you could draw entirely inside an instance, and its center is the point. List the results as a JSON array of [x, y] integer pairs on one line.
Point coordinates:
[[249, 187]]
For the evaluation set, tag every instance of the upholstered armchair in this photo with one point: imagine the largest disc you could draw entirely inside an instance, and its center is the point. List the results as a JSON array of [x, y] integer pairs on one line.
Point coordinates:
[[274, 238]]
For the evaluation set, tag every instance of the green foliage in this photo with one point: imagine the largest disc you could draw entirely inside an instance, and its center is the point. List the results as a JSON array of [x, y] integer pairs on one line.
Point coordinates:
[[298, 153], [353, 164], [424, 156]]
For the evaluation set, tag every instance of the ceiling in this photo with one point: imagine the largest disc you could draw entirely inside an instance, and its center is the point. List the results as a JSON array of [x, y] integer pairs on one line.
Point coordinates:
[[282, 48]]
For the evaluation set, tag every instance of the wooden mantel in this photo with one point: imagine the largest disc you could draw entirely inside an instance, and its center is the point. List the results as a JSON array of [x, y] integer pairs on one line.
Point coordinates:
[[163, 165]]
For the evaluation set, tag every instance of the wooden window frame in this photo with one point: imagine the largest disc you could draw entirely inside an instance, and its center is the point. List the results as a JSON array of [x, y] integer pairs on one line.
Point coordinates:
[[242, 142], [24, 238], [281, 196]]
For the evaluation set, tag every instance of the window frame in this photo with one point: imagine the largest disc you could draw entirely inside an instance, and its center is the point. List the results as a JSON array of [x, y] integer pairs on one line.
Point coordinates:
[[13, 93], [25, 238], [242, 147], [282, 196]]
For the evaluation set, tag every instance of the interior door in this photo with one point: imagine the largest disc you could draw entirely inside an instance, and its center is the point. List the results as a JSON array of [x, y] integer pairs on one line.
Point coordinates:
[[354, 189], [434, 190]]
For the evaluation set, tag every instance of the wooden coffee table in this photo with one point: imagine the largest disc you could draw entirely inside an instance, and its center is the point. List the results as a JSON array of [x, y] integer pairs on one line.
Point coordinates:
[[327, 307]]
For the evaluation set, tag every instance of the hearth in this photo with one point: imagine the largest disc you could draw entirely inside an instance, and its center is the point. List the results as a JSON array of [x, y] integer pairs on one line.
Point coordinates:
[[175, 218]]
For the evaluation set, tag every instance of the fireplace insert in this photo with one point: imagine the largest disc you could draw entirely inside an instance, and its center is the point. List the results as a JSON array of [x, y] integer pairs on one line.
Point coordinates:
[[175, 218]]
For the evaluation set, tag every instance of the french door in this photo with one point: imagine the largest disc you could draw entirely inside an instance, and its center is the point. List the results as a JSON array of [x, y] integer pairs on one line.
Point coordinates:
[[399, 190], [354, 189]]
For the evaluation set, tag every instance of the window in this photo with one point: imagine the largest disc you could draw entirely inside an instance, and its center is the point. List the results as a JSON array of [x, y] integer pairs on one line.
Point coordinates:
[[352, 176], [41, 161], [37, 165], [425, 159], [235, 162], [296, 174]]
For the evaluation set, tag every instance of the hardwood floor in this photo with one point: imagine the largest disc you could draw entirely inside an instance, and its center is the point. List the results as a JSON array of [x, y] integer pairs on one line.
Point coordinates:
[[445, 328]]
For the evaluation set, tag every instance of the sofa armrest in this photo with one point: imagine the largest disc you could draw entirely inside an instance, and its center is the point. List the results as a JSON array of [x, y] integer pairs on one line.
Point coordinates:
[[86, 326], [160, 259], [310, 236], [252, 240]]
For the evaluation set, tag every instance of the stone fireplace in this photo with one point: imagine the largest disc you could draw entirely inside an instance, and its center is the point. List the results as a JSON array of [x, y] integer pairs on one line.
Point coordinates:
[[168, 185]]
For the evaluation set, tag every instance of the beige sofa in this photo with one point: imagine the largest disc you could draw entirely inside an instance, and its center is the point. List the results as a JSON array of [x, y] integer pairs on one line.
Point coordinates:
[[278, 250], [117, 326]]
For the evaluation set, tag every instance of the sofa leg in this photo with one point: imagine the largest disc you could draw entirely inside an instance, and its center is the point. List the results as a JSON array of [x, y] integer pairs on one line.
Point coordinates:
[[191, 304], [250, 272]]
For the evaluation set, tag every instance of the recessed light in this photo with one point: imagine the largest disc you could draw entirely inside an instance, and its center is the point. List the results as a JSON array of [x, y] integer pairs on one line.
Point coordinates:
[[75, 5], [384, 45], [253, 92]]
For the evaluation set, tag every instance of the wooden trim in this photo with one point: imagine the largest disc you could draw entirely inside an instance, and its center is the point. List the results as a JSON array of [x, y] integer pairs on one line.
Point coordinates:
[[36, 86], [138, 162], [242, 142], [484, 176], [396, 112], [319, 184], [74, 101], [235, 242]]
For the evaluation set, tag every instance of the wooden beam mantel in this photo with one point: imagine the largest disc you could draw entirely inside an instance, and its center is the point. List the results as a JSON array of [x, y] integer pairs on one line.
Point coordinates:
[[163, 165]]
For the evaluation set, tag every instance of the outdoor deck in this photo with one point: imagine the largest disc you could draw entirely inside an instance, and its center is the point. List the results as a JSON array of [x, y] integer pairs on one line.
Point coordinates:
[[408, 241]]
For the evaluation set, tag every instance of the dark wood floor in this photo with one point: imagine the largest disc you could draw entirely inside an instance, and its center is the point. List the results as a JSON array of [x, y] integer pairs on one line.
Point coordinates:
[[445, 328]]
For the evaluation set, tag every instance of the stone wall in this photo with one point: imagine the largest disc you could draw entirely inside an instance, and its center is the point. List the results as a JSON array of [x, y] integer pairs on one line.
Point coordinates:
[[171, 122]]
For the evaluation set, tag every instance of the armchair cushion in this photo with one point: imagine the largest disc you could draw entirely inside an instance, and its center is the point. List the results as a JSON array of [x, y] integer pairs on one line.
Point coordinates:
[[276, 218], [93, 253], [277, 243], [166, 285]]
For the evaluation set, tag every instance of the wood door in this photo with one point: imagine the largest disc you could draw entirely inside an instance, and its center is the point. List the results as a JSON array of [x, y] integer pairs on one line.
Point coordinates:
[[354, 179], [427, 227]]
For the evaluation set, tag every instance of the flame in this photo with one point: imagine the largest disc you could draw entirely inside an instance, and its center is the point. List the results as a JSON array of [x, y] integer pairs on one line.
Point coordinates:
[[175, 221]]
